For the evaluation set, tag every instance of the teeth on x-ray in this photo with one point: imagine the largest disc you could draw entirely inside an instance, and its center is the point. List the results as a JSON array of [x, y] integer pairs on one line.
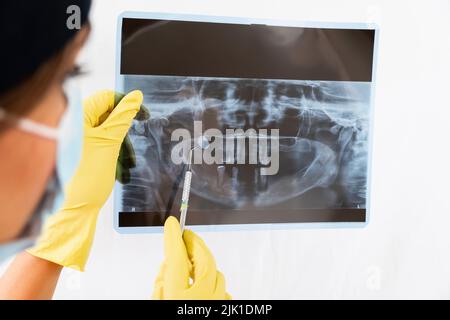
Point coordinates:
[[220, 175], [323, 139]]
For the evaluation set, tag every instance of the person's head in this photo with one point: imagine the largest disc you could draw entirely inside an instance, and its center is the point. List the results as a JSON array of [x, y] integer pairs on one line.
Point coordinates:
[[32, 89]]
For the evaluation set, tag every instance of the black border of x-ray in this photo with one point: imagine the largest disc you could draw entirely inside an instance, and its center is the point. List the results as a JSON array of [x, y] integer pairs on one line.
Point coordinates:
[[236, 217], [228, 50]]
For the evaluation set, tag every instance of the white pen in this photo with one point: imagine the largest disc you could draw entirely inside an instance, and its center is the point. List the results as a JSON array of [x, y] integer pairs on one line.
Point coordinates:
[[203, 143], [186, 192]]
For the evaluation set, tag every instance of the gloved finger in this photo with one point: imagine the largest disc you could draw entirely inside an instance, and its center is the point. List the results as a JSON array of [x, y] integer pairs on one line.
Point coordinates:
[[158, 289], [219, 292], [97, 107], [176, 258], [119, 120], [126, 161], [143, 113], [203, 263]]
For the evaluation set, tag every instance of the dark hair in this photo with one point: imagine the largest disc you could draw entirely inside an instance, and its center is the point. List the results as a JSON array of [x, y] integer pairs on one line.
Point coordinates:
[[35, 31], [21, 99]]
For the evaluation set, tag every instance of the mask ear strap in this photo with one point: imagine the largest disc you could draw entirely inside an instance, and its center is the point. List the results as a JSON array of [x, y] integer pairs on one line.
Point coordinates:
[[31, 126]]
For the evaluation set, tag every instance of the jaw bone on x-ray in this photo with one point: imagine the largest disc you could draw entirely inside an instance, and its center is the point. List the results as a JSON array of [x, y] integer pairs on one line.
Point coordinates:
[[308, 162]]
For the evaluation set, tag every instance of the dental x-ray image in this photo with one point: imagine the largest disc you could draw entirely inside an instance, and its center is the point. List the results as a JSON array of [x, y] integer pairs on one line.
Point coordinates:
[[316, 173]]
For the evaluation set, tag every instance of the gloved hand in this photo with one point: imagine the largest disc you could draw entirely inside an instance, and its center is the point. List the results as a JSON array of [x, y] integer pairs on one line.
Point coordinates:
[[67, 235], [184, 260]]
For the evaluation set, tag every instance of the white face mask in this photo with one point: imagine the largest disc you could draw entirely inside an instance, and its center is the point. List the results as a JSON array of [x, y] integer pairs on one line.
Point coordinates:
[[30, 126], [69, 136]]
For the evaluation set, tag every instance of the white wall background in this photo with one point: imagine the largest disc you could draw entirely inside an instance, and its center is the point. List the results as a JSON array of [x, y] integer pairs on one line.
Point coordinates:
[[404, 252]]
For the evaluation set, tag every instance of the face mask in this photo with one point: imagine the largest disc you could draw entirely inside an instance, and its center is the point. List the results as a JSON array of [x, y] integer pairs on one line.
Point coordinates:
[[69, 136]]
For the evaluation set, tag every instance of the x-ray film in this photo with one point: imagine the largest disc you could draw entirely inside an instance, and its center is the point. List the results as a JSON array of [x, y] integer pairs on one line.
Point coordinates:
[[273, 119]]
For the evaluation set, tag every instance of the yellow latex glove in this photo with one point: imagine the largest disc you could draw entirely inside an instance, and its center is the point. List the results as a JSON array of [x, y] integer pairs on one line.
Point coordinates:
[[187, 259], [67, 235]]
